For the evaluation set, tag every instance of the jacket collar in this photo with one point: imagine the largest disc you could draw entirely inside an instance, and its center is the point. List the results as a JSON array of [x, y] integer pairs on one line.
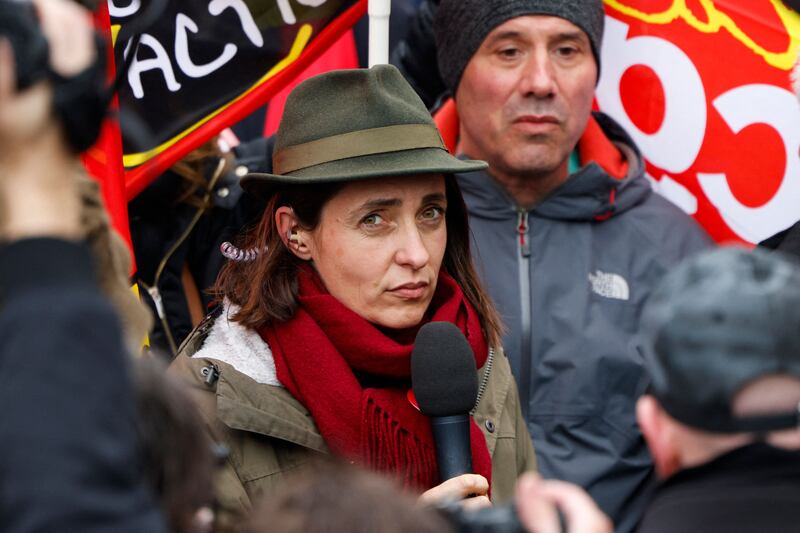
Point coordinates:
[[243, 404]]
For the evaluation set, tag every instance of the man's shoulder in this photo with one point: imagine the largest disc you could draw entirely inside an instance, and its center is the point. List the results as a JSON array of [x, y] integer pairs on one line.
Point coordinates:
[[658, 210], [665, 225], [721, 491]]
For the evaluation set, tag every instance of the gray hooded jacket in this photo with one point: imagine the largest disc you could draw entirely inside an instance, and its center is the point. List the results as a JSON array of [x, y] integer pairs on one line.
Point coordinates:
[[569, 278]]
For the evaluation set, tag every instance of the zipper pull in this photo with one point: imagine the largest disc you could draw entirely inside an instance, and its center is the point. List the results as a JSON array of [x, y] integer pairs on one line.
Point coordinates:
[[522, 230]]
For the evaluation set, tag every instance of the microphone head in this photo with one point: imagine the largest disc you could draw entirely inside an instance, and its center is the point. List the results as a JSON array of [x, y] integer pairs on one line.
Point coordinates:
[[443, 373]]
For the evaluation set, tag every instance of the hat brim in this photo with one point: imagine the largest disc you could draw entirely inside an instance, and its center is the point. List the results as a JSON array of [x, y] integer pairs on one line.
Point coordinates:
[[401, 163]]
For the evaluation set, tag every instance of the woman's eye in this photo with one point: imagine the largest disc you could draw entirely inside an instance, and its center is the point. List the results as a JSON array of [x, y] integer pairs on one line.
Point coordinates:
[[432, 213], [373, 219]]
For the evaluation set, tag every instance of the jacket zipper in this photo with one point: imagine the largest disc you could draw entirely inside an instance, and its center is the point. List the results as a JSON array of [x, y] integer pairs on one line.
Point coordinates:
[[487, 371], [523, 230]]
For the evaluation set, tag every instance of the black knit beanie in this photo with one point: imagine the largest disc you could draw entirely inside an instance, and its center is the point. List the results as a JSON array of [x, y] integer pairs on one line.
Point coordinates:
[[461, 26]]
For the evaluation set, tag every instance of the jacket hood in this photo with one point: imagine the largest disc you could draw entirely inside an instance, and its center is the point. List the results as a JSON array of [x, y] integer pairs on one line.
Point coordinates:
[[589, 194]]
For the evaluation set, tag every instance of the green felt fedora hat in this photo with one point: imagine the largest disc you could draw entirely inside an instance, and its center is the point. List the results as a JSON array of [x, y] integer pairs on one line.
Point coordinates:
[[356, 124]]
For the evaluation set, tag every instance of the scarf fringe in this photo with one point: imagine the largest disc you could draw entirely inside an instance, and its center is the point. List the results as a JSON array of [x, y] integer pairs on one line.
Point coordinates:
[[390, 449]]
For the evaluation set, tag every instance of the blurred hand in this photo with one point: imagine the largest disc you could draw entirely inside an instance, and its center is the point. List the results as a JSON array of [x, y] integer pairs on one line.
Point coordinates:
[[472, 490], [68, 28], [38, 193], [538, 503], [24, 117]]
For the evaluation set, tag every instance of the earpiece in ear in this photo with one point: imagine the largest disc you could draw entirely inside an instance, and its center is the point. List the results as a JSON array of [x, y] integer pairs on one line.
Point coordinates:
[[293, 237]]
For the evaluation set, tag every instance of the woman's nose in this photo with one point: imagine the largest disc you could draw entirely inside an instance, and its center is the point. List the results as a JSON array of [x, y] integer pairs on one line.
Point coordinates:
[[411, 250]]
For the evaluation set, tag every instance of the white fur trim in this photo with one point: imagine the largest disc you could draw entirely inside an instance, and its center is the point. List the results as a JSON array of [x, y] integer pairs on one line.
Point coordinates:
[[240, 347]]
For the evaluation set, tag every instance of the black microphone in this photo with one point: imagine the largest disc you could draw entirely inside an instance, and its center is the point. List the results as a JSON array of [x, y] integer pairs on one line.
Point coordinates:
[[445, 383]]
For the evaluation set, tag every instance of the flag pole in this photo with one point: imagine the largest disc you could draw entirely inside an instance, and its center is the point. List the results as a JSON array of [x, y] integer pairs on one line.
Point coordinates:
[[379, 11]]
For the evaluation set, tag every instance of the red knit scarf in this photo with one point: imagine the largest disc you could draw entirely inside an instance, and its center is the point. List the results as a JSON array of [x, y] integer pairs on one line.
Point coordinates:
[[316, 352]]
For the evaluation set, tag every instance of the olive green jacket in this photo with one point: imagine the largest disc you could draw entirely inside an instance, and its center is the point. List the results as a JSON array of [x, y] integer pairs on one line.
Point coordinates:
[[269, 433]]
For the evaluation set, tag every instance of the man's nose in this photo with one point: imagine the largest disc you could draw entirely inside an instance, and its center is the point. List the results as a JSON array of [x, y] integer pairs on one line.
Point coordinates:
[[538, 77]]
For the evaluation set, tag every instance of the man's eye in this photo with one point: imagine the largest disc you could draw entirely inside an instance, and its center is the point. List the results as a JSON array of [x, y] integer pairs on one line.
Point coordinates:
[[566, 51], [509, 53]]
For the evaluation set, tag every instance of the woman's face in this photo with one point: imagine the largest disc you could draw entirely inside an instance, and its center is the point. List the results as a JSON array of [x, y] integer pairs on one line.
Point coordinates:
[[379, 246]]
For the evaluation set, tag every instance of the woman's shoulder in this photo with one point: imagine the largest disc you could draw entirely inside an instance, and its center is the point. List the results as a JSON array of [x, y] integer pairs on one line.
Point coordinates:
[[231, 372], [231, 400], [266, 430], [220, 338]]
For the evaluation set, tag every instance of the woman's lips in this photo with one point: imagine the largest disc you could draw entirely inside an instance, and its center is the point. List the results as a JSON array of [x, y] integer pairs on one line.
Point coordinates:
[[410, 291]]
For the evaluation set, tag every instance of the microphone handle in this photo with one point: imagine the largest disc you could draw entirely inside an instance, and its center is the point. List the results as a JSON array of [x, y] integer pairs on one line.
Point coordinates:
[[453, 450]]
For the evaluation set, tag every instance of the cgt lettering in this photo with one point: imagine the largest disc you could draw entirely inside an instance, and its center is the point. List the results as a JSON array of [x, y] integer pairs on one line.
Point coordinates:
[[676, 144]]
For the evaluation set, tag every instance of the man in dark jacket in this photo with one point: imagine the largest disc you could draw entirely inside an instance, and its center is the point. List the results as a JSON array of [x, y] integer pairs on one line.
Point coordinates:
[[70, 459], [722, 419], [568, 236]]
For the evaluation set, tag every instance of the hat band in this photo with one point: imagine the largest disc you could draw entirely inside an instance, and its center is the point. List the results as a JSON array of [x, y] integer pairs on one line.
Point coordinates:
[[355, 144]]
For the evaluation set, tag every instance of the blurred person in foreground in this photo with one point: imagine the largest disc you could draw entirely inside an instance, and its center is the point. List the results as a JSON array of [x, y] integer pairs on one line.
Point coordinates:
[[363, 241], [545, 505], [336, 496], [722, 419], [67, 435], [179, 458]]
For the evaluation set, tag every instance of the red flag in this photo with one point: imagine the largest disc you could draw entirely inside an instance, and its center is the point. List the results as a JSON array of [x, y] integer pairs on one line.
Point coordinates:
[[103, 161], [704, 90]]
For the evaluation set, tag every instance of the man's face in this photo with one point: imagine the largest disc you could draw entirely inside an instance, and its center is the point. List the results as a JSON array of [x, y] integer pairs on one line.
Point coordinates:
[[525, 96]]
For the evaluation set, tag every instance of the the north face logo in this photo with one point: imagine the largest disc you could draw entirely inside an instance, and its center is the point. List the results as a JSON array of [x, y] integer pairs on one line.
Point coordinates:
[[609, 285]]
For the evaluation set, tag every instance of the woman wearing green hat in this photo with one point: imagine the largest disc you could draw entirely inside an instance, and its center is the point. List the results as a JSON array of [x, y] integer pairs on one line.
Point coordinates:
[[364, 240]]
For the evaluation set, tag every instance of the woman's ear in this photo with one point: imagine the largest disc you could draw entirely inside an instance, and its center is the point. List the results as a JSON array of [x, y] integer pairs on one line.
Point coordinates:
[[294, 238]]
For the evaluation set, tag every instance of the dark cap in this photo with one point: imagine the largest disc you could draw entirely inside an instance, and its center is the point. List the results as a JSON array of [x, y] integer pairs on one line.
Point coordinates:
[[460, 27], [718, 322]]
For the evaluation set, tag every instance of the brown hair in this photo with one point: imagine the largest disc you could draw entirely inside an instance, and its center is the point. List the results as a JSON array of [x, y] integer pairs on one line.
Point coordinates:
[[177, 456], [273, 273], [336, 496]]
